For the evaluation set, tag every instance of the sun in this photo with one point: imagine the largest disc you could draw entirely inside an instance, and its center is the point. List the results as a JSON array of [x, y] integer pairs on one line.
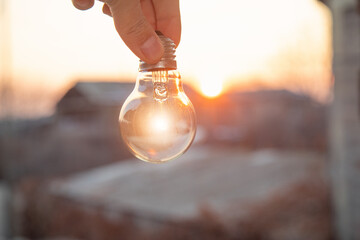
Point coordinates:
[[211, 88]]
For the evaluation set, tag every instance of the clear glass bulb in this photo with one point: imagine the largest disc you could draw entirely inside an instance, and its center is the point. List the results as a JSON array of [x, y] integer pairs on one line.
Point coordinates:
[[157, 120]]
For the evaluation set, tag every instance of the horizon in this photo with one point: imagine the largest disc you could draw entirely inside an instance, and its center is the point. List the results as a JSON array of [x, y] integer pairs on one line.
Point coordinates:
[[285, 44], [51, 105]]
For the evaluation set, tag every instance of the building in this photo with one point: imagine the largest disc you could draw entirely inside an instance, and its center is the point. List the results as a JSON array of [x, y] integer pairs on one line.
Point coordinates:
[[265, 119], [83, 133]]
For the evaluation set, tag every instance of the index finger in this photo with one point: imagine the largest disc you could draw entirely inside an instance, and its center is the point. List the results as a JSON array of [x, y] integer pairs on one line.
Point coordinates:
[[168, 19]]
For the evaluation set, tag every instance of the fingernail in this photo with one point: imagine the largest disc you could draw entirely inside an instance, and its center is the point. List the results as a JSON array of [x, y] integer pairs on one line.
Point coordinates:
[[152, 49]]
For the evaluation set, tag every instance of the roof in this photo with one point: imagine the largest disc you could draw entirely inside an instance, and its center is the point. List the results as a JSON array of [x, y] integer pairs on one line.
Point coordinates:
[[271, 94], [216, 177], [96, 93], [108, 93]]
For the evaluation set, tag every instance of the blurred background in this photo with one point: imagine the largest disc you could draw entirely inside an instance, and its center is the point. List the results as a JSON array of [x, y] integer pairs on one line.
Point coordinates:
[[275, 139]]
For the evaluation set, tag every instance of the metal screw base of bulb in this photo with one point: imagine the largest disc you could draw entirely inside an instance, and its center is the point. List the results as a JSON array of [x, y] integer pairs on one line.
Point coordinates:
[[167, 61]]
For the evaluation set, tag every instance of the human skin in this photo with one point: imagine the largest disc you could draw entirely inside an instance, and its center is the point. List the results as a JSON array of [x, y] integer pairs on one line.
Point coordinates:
[[137, 20]]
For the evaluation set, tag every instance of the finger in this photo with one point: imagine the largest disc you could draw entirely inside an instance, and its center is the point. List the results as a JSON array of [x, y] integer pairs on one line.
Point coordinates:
[[135, 30], [168, 19], [106, 10], [83, 4], [149, 12]]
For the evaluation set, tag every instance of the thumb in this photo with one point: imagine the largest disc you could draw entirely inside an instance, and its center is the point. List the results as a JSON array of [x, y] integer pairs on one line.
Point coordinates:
[[135, 30]]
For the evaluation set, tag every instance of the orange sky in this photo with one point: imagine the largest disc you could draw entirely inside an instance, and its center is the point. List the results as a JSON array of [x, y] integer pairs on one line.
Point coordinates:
[[283, 43]]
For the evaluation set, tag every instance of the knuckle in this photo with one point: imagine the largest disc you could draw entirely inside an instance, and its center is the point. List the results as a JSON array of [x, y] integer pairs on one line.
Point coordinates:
[[137, 27]]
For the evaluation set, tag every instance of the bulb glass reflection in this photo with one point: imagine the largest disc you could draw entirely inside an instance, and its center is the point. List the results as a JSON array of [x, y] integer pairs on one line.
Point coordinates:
[[157, 121]]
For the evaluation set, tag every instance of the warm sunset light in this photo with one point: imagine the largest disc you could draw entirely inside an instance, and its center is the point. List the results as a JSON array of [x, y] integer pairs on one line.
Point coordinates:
[[282, 44], [211, 89], [224, 120], [210, 81]]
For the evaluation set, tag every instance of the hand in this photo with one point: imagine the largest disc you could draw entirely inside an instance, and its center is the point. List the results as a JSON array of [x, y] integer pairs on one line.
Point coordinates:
[[137, 20]]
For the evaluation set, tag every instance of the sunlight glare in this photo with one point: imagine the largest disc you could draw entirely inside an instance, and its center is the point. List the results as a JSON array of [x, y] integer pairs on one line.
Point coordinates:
[[211, 85], [282, 44], [160, 123], [211, 89]]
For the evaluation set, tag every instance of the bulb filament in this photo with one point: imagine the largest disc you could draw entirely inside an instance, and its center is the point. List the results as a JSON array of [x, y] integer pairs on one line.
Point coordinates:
[[160, 81]]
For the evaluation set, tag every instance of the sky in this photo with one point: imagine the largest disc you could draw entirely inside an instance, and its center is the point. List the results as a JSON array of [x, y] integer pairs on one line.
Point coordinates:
[[277, 43]]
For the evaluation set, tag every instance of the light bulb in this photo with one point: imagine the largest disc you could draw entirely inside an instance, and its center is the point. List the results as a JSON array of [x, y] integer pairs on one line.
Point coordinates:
[[157, 120]]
